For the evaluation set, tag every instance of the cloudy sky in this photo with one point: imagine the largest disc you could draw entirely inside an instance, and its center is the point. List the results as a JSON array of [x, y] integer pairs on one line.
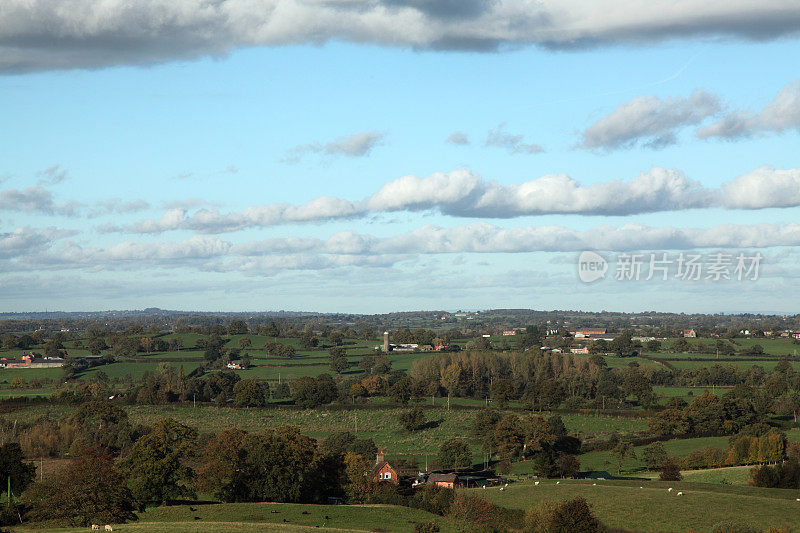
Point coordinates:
[[384, 155]]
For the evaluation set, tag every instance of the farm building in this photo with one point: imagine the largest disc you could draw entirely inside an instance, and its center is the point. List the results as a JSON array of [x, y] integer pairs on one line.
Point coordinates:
[[450, 481], [384, 471]]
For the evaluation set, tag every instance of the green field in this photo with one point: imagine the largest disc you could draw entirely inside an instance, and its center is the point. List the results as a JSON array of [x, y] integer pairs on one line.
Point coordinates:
[[734, 475], [648, 506], [741, 364], [236, 517]]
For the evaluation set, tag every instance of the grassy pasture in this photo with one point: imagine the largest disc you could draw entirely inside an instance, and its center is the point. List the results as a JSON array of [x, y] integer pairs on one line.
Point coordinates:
[[741, 364], [623, 504], [734, 475], [279, 517]]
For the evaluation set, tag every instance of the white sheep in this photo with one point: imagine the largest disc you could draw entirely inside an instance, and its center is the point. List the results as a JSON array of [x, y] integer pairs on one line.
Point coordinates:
[[502, 488], [96, 527], [669, 489], [680, 494], [594, 484], [109, 528], [558, 482], [535, 482]]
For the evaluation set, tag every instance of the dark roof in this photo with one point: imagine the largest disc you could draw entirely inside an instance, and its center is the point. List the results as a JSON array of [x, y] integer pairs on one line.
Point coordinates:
[[381, 464], [442, 478]]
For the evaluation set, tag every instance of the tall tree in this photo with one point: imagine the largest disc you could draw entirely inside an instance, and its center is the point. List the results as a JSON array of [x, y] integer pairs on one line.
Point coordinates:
[[158, 465]]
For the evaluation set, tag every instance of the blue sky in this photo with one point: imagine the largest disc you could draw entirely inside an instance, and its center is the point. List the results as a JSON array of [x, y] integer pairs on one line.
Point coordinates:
[[308, 166]]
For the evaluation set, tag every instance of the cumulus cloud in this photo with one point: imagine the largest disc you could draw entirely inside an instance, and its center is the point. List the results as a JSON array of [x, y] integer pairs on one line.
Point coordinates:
[[460, 193], [649, 121], [356, 145], [41, 35], [499, 138], [458, 138], [762, 188], [25, 240], [35, 200], [781, 114]]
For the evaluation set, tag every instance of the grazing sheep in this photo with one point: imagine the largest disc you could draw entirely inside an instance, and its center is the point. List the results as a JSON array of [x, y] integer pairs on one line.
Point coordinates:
[[502, 488], [506, 485], [535, 482], [95, 527], [680, 494], [669, 489], [594, 484], [558, 482], [109, 528]]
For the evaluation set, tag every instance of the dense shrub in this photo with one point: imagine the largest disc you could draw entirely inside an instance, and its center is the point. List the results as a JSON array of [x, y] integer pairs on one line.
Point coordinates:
[[564, 516]]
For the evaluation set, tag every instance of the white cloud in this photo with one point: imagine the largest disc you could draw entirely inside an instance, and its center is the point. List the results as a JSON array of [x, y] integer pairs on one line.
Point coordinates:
[[35, 200], [23, 241], [781, 114], [499, 138], [460, 193], [40, 35], [762, 188], [356, 145], [649, 121]]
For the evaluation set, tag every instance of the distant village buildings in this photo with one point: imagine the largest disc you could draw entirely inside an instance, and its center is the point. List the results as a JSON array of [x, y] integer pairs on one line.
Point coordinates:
[[32, 360]]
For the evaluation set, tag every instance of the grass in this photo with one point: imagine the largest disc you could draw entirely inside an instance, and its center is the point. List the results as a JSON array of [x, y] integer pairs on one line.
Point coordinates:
[[733, 475], [741, 364], [237, 517], [623, 504], [603, 460]]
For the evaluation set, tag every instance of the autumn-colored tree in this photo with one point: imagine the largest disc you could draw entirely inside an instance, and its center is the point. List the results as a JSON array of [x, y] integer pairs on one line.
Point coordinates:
[[669, 470], [250, 392], [360, 479], [413, 419], [509, 437], [219, 472], [91, 490], [564, 516]]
